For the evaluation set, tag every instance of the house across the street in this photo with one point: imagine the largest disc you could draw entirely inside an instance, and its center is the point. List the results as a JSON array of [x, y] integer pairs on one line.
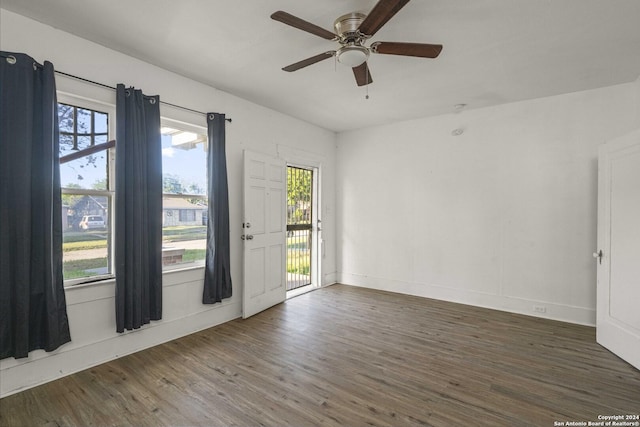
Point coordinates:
[[177, 211]]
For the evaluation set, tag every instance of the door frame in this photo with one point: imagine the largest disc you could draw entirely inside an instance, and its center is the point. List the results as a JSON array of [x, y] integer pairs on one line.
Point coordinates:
[[316, 232], [308, 160]]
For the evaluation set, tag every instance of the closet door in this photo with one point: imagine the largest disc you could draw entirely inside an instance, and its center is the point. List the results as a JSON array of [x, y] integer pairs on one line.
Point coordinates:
[[618, 253]]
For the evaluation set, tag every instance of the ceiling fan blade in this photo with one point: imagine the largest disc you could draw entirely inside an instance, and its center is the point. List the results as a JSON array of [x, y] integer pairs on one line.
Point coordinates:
[[309, 61], [362, 74], [301, 24], [422, 50], [380, 14]]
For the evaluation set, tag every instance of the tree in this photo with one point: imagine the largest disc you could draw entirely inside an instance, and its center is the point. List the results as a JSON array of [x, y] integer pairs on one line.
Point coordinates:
[[194, 188], [71, 199], [76, 133], [100, 184], [299, 195], [172, 184], [175, 185]]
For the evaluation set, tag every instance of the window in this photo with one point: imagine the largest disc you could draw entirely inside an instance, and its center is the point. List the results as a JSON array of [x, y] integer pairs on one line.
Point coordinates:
[[87, 190], [187, 215], [184, 204], [87, 172]]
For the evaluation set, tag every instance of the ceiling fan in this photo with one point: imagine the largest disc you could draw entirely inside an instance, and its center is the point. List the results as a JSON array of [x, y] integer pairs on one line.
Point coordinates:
[[351, 32]]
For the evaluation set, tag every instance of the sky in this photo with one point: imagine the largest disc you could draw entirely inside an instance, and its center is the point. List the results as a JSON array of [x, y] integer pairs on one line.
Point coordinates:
[[189, 165]]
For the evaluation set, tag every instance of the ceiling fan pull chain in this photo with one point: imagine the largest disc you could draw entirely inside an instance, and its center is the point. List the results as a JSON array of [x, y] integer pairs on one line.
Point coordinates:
[[367, 85]]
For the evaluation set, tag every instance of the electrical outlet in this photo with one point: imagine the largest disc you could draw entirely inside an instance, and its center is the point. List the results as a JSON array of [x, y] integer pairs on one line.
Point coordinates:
[[539, 309]]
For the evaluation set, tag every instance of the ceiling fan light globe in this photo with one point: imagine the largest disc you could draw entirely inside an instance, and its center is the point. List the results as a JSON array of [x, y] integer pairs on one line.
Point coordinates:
[[353, 56]]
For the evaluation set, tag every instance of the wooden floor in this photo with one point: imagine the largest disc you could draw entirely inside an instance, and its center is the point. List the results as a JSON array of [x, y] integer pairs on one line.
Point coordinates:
[[349, 356]]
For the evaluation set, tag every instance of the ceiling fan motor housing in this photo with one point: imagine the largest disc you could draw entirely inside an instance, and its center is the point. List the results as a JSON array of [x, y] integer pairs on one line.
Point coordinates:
[[347, 27]]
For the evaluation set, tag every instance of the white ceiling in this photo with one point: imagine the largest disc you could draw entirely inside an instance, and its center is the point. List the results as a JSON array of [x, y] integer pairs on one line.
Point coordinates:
[[495, 51]]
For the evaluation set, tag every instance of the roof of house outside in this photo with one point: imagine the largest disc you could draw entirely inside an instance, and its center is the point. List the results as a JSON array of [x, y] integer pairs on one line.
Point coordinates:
[[179, 203]]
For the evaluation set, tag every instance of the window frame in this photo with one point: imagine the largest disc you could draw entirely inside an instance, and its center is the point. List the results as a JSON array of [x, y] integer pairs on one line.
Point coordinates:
[[105, 106], [110, 110]]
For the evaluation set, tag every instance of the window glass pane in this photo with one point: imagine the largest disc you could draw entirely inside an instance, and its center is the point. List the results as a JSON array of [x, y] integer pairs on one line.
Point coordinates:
[[86, 236], [85, 213], [184, 218], [67, 144], [84, 121], [83, 142], [184, 162], [65, 118], [184, 230], [101, 122], [86, 172]]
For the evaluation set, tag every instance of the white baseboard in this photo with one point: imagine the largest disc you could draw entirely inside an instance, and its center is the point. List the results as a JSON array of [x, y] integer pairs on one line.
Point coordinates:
[[554, 311], [44, 367], [329, 278]]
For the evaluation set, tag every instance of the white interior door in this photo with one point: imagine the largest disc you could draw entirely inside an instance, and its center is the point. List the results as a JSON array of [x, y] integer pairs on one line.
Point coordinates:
[[265, 200], [618, 256]]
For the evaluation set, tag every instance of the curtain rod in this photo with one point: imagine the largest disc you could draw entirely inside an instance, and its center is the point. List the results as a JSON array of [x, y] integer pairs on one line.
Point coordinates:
[[113, 88]]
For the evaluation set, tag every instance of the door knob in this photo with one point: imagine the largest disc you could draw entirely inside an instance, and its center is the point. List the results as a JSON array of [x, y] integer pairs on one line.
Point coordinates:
[[249, 237], [598, 255]]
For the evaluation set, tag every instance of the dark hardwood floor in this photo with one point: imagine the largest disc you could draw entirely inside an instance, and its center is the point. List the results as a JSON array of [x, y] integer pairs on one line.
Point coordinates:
[[349, 356]]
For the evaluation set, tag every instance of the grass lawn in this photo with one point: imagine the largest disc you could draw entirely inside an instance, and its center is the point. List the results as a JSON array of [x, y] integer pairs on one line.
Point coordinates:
[[298, 262], [184, 232], [298, 253], [78, 268], [83, 236], [82, 267], [297, 258], [79, 246], [191, 255], [78, 240]]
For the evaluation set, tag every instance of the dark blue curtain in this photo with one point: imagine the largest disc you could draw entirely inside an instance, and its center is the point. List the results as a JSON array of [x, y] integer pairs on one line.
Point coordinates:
[[33, 312], [138, 209], [217, 272]]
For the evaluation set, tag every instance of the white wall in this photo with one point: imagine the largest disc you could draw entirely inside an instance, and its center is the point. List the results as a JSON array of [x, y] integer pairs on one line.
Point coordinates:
[[91, 308], [637, 92], [502, 216]]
